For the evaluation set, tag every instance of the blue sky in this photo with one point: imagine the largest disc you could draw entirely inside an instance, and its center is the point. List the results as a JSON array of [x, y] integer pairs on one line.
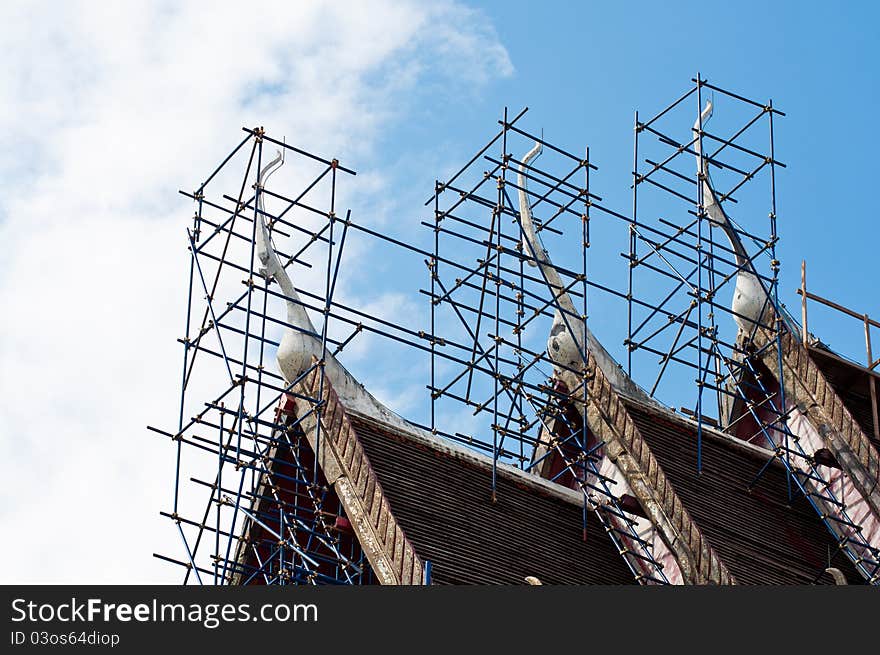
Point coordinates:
[[584, 68], [106, 112]]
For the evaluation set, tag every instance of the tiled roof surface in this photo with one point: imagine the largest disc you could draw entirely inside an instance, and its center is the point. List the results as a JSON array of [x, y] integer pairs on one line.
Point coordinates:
[[758, 537], [443, 503]]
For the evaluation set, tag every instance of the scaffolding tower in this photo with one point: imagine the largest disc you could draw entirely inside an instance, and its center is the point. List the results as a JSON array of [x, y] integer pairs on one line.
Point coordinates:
[[492, 309], [250, 504], [267, 515], [685, 268]]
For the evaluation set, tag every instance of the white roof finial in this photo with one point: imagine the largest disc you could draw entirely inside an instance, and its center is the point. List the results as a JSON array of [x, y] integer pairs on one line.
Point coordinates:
[[750, 299]]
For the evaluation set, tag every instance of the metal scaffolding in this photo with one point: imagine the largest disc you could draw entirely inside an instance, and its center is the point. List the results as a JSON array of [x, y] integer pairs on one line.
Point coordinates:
[[251, 505], [867, 324], [268, 516], [266, 513], [685, 268], [491, 312]]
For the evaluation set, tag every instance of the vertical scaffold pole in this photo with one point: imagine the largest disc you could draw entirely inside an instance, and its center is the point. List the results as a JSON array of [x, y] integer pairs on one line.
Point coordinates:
[[585, 244], [700, 215], [497, 222], [632, 246]]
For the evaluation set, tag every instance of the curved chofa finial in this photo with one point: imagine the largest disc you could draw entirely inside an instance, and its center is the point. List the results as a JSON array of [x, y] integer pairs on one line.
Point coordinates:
[[751, 304], [566, 345], [570, 339], [301, 341], [297, 346]]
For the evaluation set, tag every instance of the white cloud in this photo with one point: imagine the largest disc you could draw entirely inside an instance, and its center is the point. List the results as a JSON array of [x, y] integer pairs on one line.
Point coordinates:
[[107, 109]]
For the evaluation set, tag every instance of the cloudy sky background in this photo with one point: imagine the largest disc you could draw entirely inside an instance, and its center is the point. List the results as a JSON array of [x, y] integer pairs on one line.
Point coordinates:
[[107, 109]]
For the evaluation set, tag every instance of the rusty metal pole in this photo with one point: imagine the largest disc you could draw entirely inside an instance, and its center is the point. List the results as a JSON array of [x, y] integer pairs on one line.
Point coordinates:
[[804, 331], [872, 384]]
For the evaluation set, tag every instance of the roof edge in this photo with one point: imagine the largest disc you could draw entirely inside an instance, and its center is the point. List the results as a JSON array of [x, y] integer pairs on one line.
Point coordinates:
[[805, 383], [608, 416], [344, 462]]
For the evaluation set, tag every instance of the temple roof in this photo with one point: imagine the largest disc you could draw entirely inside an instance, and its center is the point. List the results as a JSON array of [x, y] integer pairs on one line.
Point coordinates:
[[441, 496], [851, 383], [411, 498], [756, 534]]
